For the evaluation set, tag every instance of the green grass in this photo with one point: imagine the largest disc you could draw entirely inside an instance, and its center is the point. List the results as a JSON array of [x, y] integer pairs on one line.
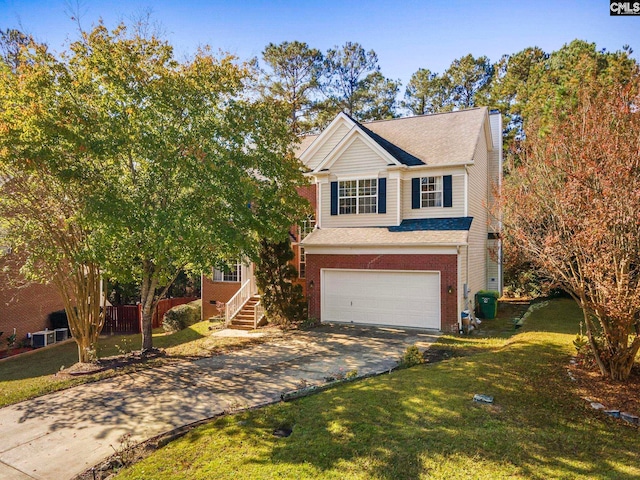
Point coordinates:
[[27, 376], [422, 423]]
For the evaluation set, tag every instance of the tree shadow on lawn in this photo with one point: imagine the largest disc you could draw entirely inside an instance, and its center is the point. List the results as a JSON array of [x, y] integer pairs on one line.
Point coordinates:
[[49, 361], [423, 421]]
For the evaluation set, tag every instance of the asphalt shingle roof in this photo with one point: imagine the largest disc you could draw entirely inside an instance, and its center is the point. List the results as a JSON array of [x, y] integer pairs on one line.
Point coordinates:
[[437, 139], [440, 224]]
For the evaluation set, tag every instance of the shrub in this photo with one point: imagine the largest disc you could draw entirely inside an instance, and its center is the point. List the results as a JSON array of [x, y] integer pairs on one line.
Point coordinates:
[[182, 316], [411, 357], [283, 300], [197, 306]]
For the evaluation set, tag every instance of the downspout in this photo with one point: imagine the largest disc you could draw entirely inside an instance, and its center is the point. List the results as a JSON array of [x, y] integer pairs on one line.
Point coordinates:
[[318, 211]]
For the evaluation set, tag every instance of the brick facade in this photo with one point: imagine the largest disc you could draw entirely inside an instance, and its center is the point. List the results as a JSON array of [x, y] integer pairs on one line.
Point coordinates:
[[24, 306], [308, 192], [216, 291], [447, 265]]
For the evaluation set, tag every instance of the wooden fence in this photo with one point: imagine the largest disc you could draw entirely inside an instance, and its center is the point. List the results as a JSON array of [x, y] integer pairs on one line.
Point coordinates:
[[122, 319], [128, 318]]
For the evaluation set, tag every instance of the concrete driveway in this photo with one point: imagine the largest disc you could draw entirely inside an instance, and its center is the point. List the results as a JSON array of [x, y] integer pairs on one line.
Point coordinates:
[[59, 435]]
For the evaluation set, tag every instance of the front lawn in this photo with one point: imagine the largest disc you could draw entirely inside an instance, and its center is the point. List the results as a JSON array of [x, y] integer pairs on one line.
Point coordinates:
[[422, 422], [34, 374]]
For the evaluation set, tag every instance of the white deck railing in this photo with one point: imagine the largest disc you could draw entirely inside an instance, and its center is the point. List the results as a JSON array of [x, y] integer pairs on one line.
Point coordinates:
[[235, 304], [258, 313]]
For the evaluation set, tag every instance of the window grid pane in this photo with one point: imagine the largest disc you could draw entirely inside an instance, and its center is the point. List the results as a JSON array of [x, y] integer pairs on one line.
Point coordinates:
[[431, 191], [232, 273], [358, 196], [303, 264], [306, 227]]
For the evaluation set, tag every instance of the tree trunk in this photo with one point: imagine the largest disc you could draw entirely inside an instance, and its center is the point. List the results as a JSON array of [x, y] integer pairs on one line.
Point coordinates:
[[147, 328], [622, 359], [149, 300], [79, 286], [147, 297]]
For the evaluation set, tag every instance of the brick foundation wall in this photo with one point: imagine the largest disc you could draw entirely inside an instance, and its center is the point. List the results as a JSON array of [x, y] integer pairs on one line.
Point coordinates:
[[447, 265], [218, 291], [24, 306]]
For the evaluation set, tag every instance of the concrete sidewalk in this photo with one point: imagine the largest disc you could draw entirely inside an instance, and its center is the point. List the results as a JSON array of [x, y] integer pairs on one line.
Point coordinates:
[[59, 435]]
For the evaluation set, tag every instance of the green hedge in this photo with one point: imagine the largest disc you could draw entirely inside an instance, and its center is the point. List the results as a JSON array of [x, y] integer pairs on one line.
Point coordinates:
[[182, 316]]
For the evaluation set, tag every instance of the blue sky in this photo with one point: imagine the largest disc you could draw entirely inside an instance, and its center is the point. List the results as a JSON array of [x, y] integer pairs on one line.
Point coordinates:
[[406, 35]]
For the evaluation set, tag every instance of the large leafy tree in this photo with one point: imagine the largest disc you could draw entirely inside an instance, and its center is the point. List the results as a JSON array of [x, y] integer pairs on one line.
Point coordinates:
[[426, 93], [573, 208], [531, 86], [39, 219], [464, 84], [378, 101], [469, 79], [513, 78], [180, 167], [352, 83], [41, 200], [291, 77]]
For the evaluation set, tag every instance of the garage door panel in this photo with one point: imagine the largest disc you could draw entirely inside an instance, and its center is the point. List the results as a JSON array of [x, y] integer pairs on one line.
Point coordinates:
[[381, 297]]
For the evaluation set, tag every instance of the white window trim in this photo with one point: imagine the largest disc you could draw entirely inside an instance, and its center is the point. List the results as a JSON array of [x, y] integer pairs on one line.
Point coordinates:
[[311, 222], [439, 183], [219, 275], [302, 260], [357, 196]]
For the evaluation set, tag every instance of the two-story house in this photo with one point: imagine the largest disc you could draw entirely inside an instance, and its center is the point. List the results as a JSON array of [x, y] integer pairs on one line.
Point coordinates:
[[402, 232]]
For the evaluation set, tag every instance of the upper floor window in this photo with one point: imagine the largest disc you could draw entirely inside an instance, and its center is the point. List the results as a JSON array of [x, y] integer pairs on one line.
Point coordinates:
[[358, 196], [431, 191], [232, 273], [306, 227]]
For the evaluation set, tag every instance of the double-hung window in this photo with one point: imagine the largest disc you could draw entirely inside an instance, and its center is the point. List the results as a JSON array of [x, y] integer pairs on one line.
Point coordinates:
[[302, 264], [232, 273], [304, 229], [358, 196], [431, 191]]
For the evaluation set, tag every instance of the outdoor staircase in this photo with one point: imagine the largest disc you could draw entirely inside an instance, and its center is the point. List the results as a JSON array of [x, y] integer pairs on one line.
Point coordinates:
[[244, 320]]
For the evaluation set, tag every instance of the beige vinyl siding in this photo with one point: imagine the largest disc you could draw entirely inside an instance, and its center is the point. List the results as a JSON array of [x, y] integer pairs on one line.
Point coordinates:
[[328, 145], [358, 158], [493, 169], [478, 210], [457, 190], [493, 278], [358, 220]]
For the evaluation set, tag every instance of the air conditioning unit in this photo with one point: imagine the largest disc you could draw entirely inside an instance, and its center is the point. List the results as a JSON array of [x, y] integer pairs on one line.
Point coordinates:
[[61, 334], [43, 338]]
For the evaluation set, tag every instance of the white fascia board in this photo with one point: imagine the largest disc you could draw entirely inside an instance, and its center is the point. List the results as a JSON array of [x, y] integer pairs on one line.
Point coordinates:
[[436, 170], [418, 168], [347, 140], [341, 119]]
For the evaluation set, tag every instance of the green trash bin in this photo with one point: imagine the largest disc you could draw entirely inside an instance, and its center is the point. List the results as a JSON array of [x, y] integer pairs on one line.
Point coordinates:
[[487, 304]]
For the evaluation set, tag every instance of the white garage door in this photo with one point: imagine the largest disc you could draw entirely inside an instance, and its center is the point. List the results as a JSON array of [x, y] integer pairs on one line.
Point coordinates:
[[381, 297]]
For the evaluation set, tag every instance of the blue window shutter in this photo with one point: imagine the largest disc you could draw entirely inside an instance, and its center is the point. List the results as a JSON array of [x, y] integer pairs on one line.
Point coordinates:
[[415, 193], [382, 195], [334, 198], [447, 197]]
